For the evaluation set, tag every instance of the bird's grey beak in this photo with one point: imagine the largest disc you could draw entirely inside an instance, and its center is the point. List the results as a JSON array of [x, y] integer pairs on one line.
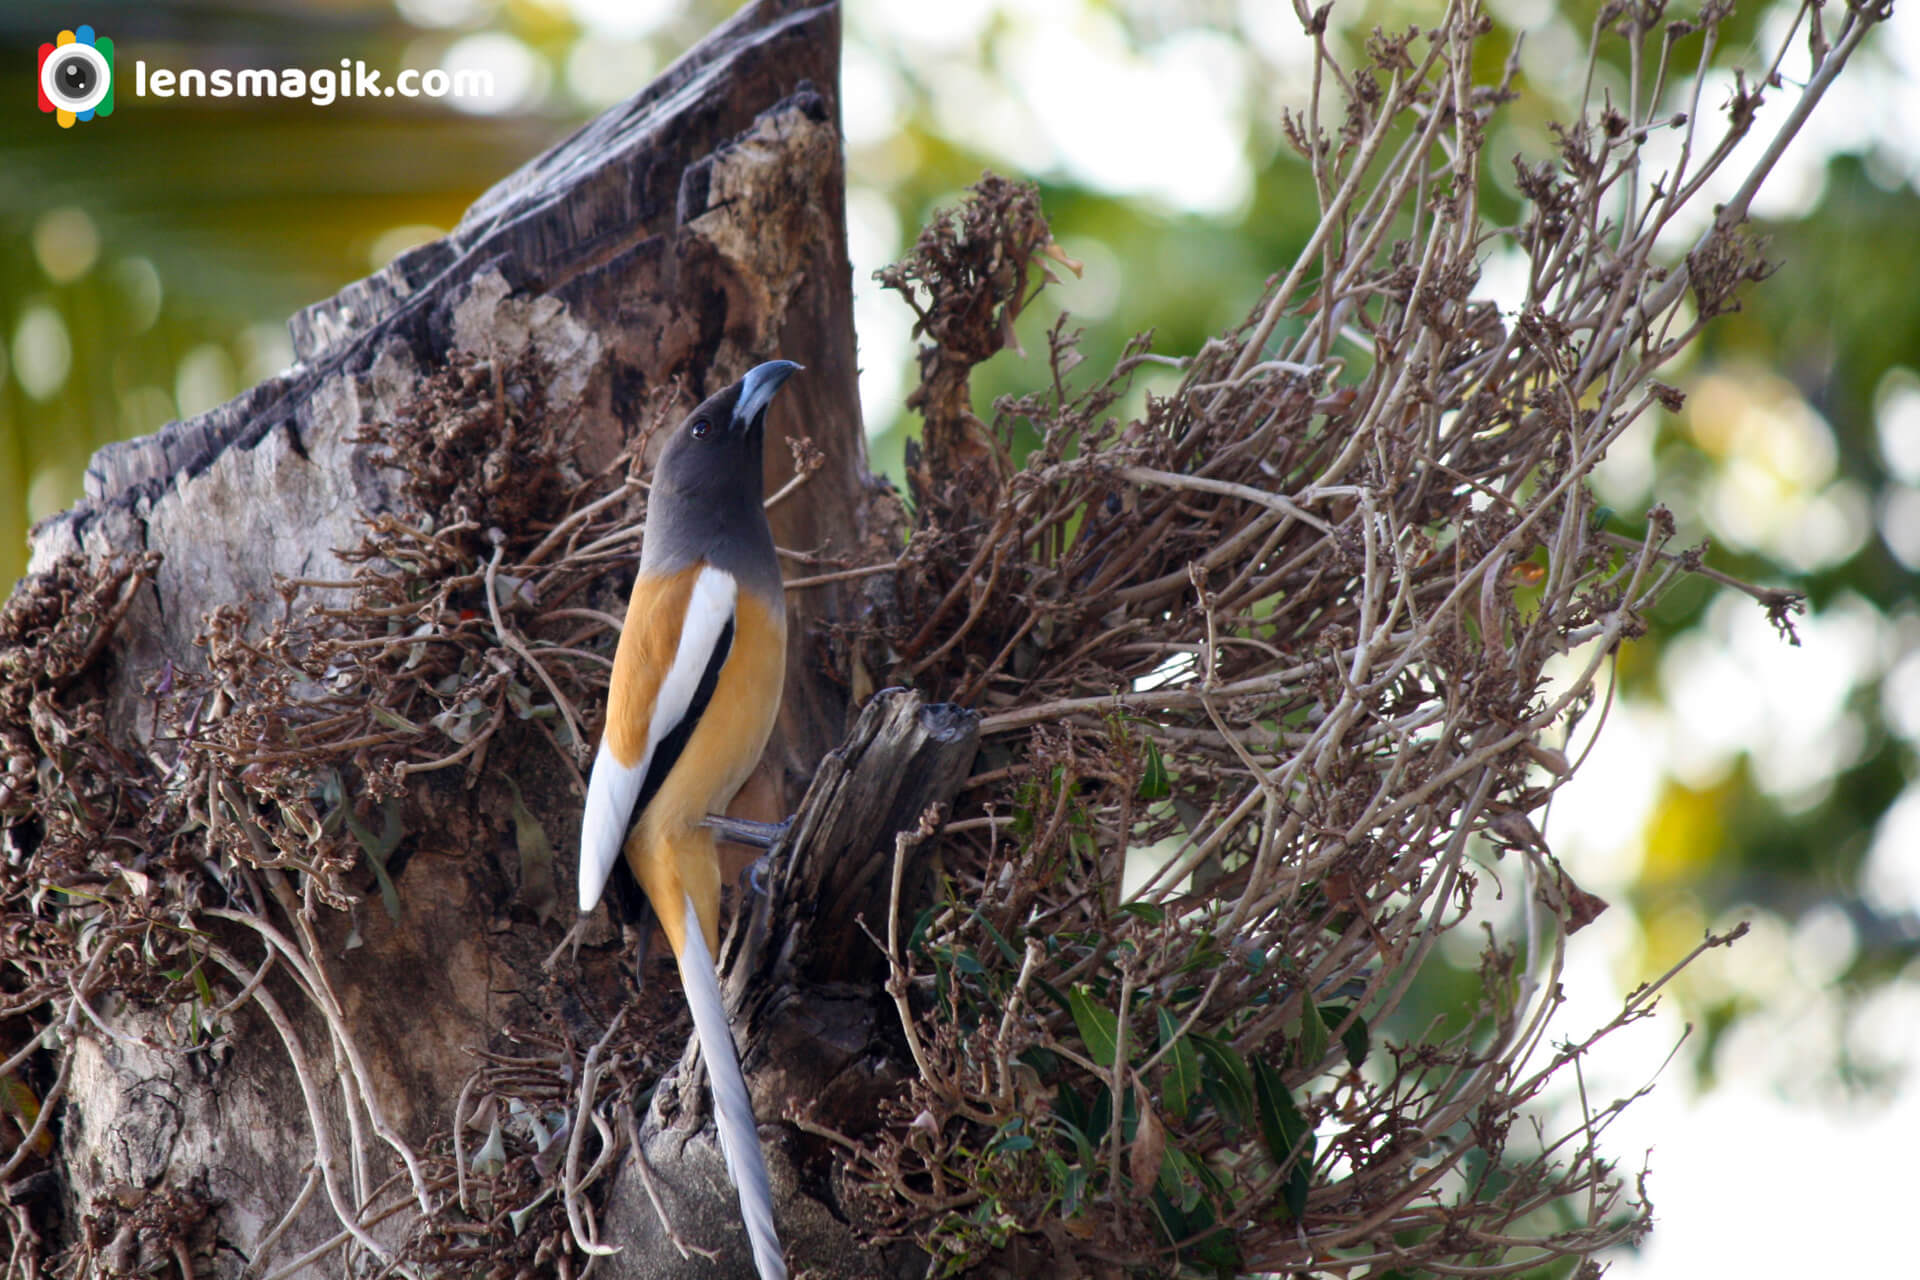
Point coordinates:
[[757, 388]]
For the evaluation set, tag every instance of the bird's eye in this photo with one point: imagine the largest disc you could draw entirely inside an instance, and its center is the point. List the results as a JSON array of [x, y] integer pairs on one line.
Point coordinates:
[[700, 428]]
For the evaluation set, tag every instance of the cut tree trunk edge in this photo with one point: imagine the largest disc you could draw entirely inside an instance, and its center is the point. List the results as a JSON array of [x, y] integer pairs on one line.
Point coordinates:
[[684, 235]]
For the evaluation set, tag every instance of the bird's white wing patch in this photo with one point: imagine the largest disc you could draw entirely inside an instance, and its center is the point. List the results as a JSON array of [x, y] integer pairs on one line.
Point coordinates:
[[611, 791], [613, 787]]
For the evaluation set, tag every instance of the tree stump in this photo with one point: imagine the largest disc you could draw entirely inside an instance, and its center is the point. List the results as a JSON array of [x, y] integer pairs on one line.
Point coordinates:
[[644, 262]]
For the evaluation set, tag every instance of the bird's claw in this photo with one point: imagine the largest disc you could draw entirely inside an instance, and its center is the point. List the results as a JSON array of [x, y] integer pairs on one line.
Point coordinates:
[[755, 835]]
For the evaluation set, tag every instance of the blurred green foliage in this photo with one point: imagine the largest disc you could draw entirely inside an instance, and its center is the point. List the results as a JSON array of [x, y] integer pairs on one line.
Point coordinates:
[[150, 261]]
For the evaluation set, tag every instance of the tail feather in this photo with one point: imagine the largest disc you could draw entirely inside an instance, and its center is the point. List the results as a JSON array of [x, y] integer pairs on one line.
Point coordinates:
[[732, 1108]]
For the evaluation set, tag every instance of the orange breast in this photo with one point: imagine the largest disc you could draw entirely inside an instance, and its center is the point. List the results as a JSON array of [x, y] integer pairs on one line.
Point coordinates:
[[727, 742], [671, 854]]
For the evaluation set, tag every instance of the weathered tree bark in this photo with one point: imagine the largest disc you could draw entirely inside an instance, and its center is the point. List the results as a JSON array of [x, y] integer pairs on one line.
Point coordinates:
[[683, 236]]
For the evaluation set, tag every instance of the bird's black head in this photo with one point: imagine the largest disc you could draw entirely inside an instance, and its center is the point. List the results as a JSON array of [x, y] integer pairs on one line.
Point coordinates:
[[719, 445]]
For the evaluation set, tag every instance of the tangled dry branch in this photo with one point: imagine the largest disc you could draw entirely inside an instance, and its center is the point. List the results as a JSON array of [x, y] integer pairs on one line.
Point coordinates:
[[1276, 672], [189, 877]]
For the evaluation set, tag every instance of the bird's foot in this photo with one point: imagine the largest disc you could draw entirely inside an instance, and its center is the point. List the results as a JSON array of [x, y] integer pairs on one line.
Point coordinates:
[[756, 875], [636, 918], [755, 835]]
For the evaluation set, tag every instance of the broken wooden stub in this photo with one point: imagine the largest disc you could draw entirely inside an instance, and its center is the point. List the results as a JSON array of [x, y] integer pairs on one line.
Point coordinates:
[[677, 239]]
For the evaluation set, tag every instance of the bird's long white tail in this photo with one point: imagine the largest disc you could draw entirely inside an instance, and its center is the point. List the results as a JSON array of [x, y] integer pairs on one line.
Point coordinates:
[[732, 1108]]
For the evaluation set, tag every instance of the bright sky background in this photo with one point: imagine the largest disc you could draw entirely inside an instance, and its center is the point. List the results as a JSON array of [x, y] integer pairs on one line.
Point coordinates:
[[1776, 1135]]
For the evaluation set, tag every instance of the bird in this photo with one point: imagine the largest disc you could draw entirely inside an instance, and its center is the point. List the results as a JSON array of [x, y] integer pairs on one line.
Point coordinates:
[[697, 677]]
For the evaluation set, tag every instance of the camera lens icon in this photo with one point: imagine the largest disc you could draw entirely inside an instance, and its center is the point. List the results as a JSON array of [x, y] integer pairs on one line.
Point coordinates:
[[76, 76]]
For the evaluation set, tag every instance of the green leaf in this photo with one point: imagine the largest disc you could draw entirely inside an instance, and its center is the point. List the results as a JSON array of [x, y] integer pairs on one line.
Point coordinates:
[[520, 698], [1026, 800], [1313, 1036], [1221, 1251], [918, 933], [1182, 1067], [378, 848], [1281, 1124], [1197, 1233], [1154, 782], [1285, 1132], [1068, 1183], [1168, 1217], [1299, 1182], [202, 987], [1225, 1078], [955, 958], [1205, 957], [1007, 952], [1082, 845], [392, 719], [1075, 1191], [1211, 1181], [1045, 1062], [1179, 1181], [1225, 1061], [1054, 994], [1100, 1116], [1099, 1029], [1147, 911], [1072, 1104], [1357, 1039]]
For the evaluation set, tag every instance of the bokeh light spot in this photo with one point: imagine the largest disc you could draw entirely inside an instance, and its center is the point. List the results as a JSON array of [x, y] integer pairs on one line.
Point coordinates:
[[206, 378], [520, 76], [445, 13], [141, 293], [630, 19], [602, 70], [66, 243], [1896, 420], [42, 351]]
